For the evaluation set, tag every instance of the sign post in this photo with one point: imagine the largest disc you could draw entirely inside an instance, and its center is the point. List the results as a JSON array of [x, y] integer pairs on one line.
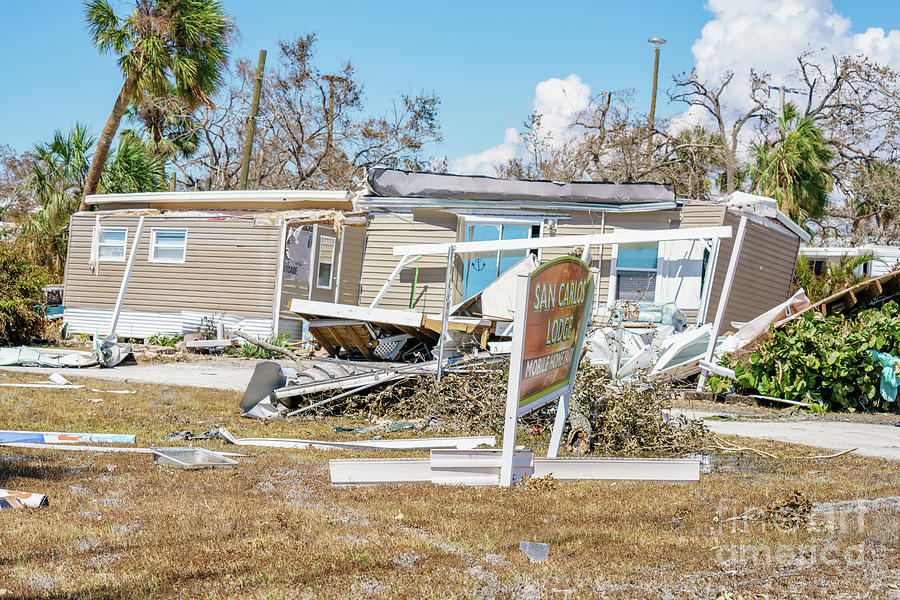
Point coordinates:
[[553, 307]]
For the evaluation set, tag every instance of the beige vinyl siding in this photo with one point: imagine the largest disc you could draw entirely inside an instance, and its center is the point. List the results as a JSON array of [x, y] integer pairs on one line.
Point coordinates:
[[387, 230], [763, 276], [229, 267], [351, 264], [702, 214]]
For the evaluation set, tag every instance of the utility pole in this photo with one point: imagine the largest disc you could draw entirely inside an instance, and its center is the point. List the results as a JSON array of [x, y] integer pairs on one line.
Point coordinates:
[[782, 91], [657, 42], [251, 121], [329, 124]]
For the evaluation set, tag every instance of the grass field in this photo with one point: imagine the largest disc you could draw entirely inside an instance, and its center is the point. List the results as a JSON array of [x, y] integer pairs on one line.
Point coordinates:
[[273, 527]]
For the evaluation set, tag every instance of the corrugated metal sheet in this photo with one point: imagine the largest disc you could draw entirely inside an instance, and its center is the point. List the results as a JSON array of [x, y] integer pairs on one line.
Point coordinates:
[[142, 324]]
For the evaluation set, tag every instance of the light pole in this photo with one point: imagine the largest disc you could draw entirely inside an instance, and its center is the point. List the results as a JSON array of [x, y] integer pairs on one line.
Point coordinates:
[[657, 42]]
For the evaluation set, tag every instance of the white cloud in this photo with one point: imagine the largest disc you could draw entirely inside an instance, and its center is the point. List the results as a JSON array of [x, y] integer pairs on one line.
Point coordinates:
[[556, 100], [769, 35], [485, 163]]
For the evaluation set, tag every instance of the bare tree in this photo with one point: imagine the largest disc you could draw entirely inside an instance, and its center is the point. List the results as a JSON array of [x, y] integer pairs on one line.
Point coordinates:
[[17, 199], [312, 132], [693, 91]]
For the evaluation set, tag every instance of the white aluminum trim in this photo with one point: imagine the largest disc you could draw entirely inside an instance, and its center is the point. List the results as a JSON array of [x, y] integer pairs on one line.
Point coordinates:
[[639, 469], [279, 279], [212, 197], [622, 236], [359, 313], [360, 471]]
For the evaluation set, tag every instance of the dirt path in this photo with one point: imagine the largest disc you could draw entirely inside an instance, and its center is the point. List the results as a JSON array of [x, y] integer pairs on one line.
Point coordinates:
[[871, 439], [229, 374]]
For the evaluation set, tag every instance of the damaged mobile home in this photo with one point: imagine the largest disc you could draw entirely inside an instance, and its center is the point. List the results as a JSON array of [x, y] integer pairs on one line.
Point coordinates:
[[368, 271], [237, 257]]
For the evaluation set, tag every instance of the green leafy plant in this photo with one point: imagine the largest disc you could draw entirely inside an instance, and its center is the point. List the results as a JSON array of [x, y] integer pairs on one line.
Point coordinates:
[[253, 351], [20, 293], [825, 359], [165, 339], [837, 275]]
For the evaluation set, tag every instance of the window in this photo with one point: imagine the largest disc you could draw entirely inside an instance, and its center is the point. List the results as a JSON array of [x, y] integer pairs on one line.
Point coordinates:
[[482, 268], [111, 245], [324, 262], [168, 245], [636, 271]]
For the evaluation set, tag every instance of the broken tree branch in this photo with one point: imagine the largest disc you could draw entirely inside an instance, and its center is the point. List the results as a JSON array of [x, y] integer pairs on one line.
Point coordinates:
[[267, 346]]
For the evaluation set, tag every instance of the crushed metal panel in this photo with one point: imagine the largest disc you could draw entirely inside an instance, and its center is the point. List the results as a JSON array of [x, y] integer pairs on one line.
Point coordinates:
[[190, 458], [333, 310]]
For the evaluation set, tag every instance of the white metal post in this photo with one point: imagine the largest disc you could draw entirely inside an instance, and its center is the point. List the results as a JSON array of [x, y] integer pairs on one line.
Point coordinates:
[[710, 275], [126, 276], [387, 284], [723, 298], [279, 277], [445, 310], [512, 389], [562, 411]]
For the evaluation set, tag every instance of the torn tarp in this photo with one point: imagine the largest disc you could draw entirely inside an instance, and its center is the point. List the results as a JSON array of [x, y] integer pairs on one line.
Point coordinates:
[[107, 353]]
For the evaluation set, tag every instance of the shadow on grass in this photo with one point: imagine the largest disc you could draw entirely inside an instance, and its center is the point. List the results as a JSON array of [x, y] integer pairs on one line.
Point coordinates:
[[20, 467]]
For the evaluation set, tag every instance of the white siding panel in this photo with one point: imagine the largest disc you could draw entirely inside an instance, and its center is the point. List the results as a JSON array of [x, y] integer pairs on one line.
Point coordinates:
[[142, 324]]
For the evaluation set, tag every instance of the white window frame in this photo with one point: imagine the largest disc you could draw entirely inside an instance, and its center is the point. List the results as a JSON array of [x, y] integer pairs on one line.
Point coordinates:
[[614, 269], [100, 245], [153, 246], [319, 262], [471, 220]]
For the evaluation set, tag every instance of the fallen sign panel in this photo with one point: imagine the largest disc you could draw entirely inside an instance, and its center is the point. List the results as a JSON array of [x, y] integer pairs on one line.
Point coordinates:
[[54, 437], [482, 468], [643, 469], [461, 443]]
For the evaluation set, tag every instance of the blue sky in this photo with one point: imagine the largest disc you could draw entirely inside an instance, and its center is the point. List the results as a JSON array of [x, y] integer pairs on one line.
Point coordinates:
[[483, 59]]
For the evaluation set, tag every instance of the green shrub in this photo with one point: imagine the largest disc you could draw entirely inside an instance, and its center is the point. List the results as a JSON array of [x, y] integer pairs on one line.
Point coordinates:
[[249, 350], [20, 294], [165, 339], [826, 359]]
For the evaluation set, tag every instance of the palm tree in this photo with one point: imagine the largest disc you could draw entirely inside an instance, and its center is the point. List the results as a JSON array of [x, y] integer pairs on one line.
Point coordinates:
[[59, 171], [794, 171], [836, 276], [164, 46]]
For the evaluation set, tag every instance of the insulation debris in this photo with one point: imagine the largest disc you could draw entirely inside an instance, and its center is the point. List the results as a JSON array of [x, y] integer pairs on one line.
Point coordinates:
[[28, 499]]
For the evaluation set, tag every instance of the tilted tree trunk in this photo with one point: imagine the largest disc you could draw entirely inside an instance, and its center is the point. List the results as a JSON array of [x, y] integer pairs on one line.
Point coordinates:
[[105, 140]]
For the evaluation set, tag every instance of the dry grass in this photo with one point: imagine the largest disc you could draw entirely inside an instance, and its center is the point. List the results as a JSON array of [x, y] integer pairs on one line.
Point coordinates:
[[273, 527]]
